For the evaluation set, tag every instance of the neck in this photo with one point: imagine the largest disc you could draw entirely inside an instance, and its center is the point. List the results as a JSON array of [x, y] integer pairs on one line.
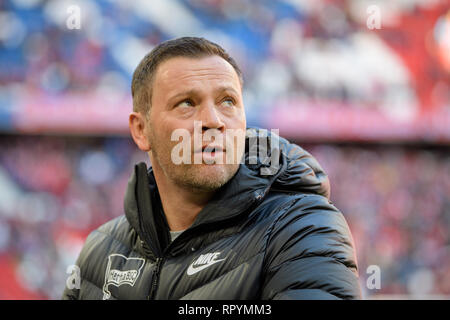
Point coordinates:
[[181, 205]]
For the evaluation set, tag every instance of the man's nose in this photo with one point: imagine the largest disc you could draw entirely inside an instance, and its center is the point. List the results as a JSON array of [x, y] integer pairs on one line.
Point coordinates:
[[210, 118]]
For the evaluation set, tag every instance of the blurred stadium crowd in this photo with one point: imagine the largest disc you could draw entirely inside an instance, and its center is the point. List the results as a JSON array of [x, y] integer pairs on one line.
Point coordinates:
[[315, 50], [55, 190], [396, 201]]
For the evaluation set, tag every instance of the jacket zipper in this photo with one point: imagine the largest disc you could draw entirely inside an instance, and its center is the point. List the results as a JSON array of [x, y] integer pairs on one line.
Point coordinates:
[[159, 263], [155, 280]]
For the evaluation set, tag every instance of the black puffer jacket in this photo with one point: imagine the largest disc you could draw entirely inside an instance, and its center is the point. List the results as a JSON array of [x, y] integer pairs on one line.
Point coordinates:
[[262, 237]]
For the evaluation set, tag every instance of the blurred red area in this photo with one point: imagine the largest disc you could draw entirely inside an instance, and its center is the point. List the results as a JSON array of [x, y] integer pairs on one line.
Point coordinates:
[[11, 288]]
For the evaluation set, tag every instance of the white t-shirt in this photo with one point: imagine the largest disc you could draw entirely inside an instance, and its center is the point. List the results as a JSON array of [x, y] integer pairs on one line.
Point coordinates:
[[174, 234]]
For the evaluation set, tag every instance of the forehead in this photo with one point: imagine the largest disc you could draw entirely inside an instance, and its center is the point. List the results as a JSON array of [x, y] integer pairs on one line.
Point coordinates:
[[182, 72]]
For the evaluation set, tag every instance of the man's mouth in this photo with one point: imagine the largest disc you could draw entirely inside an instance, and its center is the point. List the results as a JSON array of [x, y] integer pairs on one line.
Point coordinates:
[[211, 149], [212, 153]]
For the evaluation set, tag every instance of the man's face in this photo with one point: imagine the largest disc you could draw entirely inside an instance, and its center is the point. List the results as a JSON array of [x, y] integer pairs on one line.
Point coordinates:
[[189, 90]]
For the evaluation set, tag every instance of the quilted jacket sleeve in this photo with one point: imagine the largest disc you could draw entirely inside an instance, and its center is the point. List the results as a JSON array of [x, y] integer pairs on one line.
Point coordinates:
[[73, 291], [310, 254], [70, 294]]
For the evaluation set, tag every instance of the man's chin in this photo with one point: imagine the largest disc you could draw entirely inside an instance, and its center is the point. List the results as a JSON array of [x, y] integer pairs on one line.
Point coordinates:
[[209, 177]]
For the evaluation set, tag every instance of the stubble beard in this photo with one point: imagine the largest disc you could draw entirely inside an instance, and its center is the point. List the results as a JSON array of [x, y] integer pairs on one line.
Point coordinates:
[[195, 177]]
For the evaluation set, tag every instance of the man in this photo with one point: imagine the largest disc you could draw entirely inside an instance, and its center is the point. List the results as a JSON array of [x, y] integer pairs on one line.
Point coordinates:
[[210, 225]]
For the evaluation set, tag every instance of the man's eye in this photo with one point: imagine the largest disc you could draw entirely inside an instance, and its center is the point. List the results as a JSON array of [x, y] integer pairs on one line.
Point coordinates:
[[185, 103], [228, 102]]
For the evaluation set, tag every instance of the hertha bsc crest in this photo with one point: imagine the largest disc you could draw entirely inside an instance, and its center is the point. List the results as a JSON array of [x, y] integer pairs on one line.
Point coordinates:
[[121, 270]]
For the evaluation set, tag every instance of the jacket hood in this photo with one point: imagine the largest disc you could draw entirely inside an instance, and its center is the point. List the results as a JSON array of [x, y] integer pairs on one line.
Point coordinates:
[[285, 167], [301, 172]]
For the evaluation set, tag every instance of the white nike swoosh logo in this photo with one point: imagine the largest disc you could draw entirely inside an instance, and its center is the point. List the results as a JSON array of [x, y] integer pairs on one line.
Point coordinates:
[[193, 270]]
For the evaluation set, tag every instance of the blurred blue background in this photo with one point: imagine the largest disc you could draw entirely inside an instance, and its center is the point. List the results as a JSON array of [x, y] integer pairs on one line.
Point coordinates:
[[371, 104]]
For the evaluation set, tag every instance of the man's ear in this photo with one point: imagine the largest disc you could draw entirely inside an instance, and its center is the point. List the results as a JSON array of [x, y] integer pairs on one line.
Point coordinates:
[[139, 129]]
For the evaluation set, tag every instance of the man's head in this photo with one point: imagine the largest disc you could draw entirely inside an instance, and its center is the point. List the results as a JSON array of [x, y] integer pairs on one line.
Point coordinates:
[[180, 83], [188, 47]]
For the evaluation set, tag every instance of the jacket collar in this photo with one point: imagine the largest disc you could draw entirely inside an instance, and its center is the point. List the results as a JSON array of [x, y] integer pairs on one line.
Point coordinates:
[[143, 209]]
